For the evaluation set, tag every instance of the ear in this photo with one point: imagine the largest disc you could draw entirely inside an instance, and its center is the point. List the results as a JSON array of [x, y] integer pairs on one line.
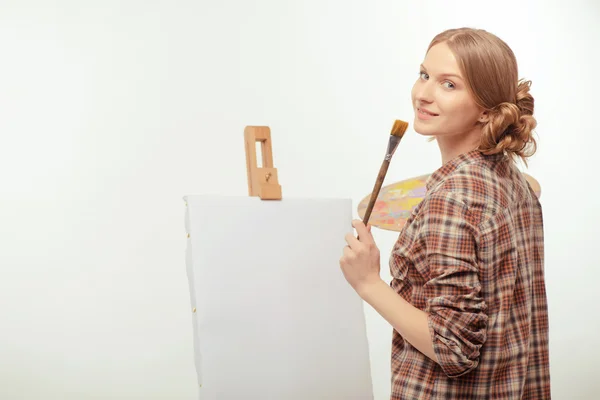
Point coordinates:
[[484, 117]]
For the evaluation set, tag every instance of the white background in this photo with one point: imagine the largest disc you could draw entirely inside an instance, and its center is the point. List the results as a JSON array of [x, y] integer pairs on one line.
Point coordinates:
[[112, 111]]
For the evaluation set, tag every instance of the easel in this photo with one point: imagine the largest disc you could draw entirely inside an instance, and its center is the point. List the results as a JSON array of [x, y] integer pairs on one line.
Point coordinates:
[[219, 304], [262, 182]]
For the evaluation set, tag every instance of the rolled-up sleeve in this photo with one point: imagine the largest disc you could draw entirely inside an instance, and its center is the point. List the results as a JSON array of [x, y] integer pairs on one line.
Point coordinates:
[[456, 309]]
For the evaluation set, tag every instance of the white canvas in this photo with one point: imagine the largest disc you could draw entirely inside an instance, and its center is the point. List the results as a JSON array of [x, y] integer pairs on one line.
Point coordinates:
[[274, 317]]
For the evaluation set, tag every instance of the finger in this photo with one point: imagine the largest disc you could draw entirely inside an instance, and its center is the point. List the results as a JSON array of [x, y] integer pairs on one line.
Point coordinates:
[[351, 240], [363, 233], [348, 255], [348, 252]]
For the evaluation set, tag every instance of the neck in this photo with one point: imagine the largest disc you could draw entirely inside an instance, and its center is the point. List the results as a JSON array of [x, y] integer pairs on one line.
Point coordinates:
[[452, 147]]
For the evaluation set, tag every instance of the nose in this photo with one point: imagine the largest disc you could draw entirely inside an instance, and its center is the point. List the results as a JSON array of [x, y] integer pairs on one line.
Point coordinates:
[[424, 92]]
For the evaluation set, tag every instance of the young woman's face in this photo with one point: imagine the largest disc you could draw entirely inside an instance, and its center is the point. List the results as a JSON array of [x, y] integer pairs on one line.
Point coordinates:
[[442, 103]]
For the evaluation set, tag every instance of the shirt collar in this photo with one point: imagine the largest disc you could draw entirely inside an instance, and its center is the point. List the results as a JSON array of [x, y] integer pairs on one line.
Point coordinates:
[[469, 157]]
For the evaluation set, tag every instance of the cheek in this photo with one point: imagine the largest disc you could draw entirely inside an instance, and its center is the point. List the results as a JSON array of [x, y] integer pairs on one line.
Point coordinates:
[[470, 112], [462, 109]]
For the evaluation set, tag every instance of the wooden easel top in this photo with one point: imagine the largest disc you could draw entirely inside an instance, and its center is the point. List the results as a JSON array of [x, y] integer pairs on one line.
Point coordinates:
[[262, 182]]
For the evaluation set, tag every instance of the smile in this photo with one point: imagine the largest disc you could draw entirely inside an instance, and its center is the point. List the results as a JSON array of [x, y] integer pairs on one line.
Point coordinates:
[[425, 115], [423, 112]]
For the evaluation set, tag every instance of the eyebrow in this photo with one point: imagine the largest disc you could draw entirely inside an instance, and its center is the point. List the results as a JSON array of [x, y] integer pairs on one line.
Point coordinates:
[[445, 75]]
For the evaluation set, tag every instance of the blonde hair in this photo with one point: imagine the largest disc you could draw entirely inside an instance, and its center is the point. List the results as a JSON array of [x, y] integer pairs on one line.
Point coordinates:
[[489, 67]]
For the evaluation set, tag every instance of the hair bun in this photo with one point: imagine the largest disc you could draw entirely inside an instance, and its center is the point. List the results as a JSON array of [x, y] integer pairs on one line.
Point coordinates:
[[510, 127], [524, 98]]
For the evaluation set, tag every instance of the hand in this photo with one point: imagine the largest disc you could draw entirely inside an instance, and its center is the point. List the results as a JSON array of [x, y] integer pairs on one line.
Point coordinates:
[[360, 260]]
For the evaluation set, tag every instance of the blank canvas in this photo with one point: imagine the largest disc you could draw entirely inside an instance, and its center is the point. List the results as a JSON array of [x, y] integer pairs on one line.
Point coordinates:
[[273, 316]]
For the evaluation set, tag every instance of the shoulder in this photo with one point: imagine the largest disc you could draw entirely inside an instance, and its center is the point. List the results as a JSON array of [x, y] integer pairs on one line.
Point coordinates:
[[475, 189], [446, 207]]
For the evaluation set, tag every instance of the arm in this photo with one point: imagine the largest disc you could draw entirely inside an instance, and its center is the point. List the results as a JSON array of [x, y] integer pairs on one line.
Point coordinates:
[[452, 328], [457, 311], [409, 321]]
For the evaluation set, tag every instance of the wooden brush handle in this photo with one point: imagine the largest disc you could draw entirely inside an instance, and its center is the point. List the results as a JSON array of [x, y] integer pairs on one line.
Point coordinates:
[[376, 189]]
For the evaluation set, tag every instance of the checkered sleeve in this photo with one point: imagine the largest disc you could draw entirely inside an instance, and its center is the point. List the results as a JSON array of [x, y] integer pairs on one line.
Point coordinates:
[[457, 312]]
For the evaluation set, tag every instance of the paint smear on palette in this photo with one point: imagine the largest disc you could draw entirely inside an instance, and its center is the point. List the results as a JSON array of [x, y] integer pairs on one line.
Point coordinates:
[[397, 201]]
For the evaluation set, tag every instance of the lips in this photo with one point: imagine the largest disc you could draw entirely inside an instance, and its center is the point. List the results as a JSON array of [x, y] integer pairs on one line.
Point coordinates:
[[427, 112]]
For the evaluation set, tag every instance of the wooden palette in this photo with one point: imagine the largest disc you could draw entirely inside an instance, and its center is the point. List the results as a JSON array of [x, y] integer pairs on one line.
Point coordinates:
[[396, 201]]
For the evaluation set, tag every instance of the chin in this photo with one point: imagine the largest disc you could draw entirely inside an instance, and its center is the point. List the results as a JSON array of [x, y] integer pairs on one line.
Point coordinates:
[[423, 129]]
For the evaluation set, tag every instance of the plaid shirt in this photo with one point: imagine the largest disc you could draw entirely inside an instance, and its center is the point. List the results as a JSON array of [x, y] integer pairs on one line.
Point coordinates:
[[472, 256]]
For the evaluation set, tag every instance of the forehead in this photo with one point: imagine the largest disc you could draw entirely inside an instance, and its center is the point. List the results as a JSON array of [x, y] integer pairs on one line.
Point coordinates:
[[441, 61]]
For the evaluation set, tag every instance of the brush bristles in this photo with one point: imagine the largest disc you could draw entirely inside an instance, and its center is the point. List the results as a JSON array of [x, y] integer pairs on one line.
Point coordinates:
[[399, 128]]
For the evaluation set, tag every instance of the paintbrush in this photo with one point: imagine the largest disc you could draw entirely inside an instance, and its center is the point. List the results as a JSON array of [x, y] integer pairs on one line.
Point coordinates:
[[396, 135]]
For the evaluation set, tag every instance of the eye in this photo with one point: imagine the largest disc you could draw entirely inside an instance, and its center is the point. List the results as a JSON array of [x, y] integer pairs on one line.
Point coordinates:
[[424, 75], [450, 85]]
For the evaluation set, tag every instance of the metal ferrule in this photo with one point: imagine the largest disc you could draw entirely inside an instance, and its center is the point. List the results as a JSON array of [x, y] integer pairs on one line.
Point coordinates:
[[392, 145]]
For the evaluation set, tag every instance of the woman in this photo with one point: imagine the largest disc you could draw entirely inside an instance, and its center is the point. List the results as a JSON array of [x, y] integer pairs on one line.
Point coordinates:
[[467, 300]]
